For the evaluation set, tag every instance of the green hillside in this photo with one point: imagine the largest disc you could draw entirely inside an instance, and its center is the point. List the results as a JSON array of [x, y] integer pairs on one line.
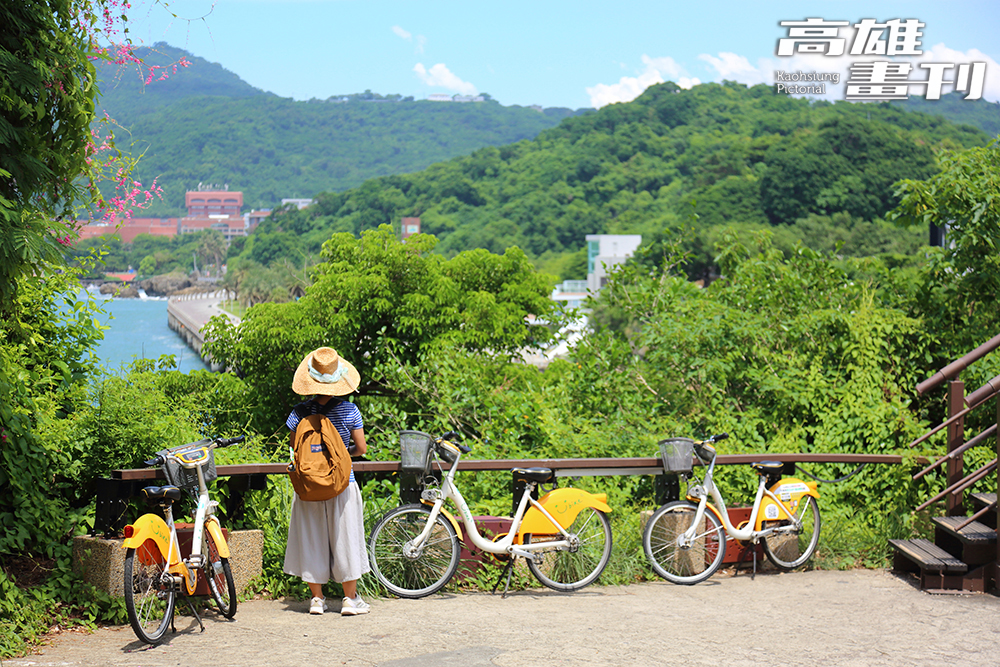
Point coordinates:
[[204, 124], [673, 159], [953, 106]]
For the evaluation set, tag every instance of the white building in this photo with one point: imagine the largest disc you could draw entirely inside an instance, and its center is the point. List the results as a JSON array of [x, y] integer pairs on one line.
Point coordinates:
[[570, 293], [604, 252]]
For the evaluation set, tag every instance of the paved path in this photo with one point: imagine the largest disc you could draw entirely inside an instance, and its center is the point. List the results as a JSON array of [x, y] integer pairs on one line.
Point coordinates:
[[805, 618], [196, 310], [187, 315]]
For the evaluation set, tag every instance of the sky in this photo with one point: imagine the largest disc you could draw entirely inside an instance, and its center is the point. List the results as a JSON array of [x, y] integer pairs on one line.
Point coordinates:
[[552, 53]]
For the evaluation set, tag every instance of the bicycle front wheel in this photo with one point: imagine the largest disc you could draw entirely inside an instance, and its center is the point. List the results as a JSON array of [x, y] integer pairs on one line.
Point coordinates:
[[148, 601], [220, 578], [690, 563], [570, 569], [791, 548], [409, 572]]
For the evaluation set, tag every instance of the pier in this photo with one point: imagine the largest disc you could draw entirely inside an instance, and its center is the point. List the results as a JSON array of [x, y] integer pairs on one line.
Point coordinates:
[[188, 314]]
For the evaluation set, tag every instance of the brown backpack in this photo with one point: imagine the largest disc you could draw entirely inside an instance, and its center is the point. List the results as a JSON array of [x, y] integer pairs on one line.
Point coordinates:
[[321, 466]]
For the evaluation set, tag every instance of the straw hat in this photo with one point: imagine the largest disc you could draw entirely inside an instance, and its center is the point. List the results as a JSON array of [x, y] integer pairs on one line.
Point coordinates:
[[325, 372]]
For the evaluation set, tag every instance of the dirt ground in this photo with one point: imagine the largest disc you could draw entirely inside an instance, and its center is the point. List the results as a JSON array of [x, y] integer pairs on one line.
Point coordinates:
[[860, 617]]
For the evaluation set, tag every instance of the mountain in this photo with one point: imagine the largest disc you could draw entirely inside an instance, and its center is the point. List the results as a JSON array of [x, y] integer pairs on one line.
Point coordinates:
[[205, 124], [673, 163], [125, 93], [953, 106]]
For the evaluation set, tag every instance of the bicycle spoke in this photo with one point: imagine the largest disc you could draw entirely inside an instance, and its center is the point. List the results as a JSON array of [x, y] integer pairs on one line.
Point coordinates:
[[418, 574]]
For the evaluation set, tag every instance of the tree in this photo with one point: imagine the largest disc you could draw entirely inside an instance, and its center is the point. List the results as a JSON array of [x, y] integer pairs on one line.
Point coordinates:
[[46, 107], [386, 304], [965, 198], [212, 245]]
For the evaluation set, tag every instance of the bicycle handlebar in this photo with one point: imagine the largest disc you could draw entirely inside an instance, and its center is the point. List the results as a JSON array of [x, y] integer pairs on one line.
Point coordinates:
[[452, 437], [217, 443], [704, 450]]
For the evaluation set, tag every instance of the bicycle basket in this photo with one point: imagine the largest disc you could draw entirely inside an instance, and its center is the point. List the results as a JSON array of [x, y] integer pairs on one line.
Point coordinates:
[[676, 454], [415, 449], [187, 478]]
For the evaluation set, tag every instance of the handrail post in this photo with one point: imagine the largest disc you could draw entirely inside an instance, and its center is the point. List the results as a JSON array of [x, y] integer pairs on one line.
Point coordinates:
[[996, 565], [956, 432]]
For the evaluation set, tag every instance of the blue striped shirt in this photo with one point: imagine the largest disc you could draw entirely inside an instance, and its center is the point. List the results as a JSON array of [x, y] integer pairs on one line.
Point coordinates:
[[344, 416]]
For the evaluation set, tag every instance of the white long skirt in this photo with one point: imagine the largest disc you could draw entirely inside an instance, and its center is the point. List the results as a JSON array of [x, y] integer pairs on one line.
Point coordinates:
[[326, 539]]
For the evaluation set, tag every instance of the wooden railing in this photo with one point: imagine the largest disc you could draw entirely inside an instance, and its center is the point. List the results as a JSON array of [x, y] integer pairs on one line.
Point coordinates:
[[113, 494], [959, 406]]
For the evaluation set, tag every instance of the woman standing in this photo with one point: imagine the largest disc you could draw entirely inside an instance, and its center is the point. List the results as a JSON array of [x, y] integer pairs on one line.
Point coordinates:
[[326, 539]]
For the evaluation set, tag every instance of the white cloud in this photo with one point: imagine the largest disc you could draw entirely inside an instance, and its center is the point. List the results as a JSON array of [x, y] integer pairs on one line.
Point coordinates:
[[734, 67], [440, 76], [630, 87], [939, 53], [738, 68], [408, 36], [665, 65]]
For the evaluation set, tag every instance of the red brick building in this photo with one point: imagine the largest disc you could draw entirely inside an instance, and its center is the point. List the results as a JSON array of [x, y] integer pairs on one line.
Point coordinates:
[[131, 228], [207, 209], [208, 203]]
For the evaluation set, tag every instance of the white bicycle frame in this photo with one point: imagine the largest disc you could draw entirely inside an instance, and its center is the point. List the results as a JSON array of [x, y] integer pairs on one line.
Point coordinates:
[[206, 508], [506, 544], [707, 487]]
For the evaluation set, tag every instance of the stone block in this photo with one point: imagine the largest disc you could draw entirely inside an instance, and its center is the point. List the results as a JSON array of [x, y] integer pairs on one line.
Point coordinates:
[[102, 561]]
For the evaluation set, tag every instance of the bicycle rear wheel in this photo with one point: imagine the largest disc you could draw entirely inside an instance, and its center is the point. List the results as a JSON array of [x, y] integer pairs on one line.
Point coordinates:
[[149, 602], [220, 578], [791, 549], [570, 569], [688, 564], [404, 571]]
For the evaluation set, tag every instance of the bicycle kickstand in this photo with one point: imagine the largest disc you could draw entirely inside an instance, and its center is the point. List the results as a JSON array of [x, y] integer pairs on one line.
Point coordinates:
[[743, 559], [507, 571], [193, 611]]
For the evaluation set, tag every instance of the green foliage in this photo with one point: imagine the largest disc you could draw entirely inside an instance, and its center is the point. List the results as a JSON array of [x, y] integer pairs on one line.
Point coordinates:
[[23, 618], [46, 107], [383, 304], [152, 255], [45, 359], [955, 108], [129, 421], [965, 198], [203, 124], [712, 156]]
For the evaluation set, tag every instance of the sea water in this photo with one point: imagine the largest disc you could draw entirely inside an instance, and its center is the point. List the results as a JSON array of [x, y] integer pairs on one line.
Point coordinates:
[[138, 329]]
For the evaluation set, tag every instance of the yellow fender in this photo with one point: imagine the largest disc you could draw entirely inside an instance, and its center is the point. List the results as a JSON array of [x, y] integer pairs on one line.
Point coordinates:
[[151, 528], [213, 526], [447, 515], [790, 491], [563, 504]]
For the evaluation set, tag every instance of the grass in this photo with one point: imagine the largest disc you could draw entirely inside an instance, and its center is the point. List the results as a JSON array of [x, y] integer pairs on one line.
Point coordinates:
[[234, 308]]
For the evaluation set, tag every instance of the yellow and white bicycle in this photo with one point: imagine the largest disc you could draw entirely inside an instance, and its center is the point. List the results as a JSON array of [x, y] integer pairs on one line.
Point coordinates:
[[685, 540], [154, 570], [564, 536]]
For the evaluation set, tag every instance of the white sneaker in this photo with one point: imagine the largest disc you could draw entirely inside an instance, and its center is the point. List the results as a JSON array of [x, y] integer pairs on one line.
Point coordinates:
[[354, 606], [317, 606]]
